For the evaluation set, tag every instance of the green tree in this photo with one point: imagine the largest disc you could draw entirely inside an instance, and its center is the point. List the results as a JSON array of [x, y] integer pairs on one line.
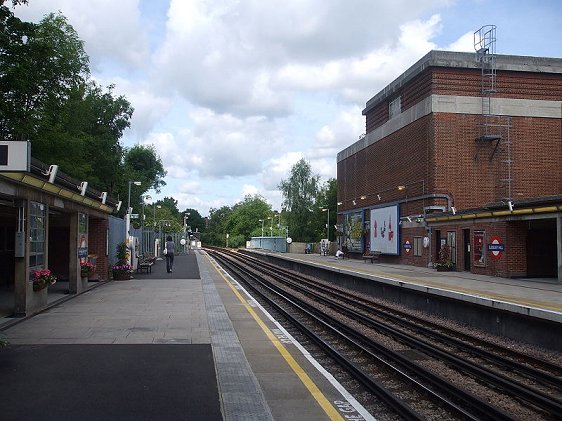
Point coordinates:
[[83, 137], [141, 163], [327, 199], [245, 218], [40, 65], [216, 229], [194, 219], [300, 193]]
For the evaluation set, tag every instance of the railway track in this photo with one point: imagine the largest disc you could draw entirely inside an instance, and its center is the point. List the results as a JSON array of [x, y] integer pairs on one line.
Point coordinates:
[[356, 331]]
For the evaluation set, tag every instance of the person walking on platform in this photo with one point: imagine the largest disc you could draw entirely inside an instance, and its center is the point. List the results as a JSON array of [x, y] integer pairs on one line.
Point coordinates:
[[170, 248]]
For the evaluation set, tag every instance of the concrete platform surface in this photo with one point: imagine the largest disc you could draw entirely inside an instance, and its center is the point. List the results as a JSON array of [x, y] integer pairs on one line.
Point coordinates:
[[534, 297], [196, 327]]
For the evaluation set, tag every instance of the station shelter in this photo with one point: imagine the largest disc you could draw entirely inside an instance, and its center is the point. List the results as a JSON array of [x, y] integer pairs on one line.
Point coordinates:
[[47, 221]]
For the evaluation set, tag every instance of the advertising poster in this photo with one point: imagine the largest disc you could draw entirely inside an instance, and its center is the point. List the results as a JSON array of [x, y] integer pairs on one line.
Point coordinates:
[[384, 230], [353, 229]]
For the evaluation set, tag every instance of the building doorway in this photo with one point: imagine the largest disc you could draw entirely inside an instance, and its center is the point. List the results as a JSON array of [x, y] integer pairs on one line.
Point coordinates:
[[466, 249], [8, 221], [542, 260]]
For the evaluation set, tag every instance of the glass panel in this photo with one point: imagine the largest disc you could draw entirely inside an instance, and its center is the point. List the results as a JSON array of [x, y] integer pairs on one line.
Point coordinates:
[[452, 241], [418, 246], [82, 223], [479, 255], [37, 223]]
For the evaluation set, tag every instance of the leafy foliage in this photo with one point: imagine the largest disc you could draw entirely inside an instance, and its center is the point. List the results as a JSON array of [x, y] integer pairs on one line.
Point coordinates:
[[40, 66], [48, 98], [300, 193]]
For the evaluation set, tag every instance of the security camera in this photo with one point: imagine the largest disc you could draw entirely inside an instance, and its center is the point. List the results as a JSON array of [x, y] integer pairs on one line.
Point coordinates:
[[103, 197], [510, 205], [118, 206], [454, 210]]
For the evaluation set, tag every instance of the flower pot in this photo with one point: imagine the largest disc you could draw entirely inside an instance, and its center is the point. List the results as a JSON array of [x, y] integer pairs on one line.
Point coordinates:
[[443, 269], [38, 286], [37, 300], [121, 276]]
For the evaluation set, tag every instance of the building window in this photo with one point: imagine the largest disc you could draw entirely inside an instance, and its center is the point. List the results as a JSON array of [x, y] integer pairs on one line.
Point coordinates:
[[479, 254], [37, 236], [452, 241], [394, 108], [418, 246]]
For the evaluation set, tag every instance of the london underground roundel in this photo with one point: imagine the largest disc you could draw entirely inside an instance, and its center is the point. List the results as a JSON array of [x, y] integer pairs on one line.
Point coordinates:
[[496, 247], [407, 246]]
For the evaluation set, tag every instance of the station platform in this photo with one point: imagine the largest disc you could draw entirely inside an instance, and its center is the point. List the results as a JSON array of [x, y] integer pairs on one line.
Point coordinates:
[[186, 345], [534, 297]]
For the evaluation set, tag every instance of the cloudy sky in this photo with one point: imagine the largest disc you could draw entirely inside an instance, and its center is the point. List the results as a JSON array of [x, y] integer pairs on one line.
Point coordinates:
[[233, 92]]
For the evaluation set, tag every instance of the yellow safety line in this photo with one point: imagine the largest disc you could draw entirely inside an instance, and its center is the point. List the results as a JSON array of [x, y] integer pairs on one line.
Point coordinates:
[[324, 403]]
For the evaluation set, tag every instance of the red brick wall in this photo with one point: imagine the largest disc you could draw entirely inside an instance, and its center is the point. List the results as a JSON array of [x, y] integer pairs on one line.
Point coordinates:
[[467, 82], [97, 238], [473, 173], [401, 158], [512, 262]]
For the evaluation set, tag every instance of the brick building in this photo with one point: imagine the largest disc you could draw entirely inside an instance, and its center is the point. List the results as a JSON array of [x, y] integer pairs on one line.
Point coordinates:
[[462, 150]]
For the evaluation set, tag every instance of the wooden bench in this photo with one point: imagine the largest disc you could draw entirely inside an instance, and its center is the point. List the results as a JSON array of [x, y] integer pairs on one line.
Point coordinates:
[[372, 256], [145, 263]]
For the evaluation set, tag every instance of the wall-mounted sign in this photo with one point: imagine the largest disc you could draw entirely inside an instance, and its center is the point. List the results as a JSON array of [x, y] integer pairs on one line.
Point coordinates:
[[15, 155], [496, 247], [407, 246]]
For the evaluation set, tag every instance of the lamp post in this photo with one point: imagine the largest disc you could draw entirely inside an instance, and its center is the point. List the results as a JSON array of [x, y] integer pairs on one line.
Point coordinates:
[[262, 221], [143, 243], [270, 225], [162, 238], [328, 223], [136, 183], [128, 214], [154, 206]]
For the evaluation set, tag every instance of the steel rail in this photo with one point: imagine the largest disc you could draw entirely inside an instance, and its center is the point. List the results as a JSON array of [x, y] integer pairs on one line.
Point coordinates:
[[478, 406], [536, 374]]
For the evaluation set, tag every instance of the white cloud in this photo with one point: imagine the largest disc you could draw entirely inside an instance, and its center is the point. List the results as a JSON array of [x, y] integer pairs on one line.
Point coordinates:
[[464, 43], [233, 93], [112, 31]]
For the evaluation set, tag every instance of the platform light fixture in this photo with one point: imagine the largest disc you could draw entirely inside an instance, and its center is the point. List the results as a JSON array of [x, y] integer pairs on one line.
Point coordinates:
[[52, 173], [83, 187]]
